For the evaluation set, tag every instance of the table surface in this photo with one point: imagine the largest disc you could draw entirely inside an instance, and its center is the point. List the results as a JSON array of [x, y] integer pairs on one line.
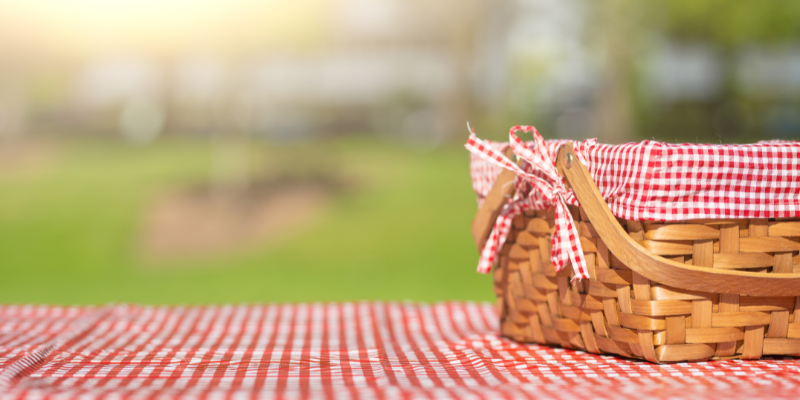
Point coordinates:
[[346, 350]]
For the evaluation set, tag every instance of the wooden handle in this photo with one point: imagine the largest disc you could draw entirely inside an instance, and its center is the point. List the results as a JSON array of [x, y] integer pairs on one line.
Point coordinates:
[[484, 220], [656, 268]]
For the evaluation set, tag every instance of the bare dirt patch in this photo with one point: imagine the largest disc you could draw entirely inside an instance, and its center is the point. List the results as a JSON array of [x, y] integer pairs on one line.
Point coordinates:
[[200, 222], [25, 157]]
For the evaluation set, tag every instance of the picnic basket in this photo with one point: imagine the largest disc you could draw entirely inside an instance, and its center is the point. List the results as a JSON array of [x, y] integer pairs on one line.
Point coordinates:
[[688, 290]]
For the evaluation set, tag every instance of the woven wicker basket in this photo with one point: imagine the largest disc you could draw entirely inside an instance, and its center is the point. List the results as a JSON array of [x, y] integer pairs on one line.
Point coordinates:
[[663, 292]]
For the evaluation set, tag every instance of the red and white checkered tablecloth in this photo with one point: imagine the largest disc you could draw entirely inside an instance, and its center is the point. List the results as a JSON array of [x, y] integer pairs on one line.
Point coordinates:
[[340, 351]]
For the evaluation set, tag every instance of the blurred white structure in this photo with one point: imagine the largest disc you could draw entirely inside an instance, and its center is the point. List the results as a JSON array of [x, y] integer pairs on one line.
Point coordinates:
[[769, 73], [684, 72], [112, 80]]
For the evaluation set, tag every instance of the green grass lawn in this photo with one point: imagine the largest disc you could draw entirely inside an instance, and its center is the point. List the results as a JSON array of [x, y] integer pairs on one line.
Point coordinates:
[[69, 230]]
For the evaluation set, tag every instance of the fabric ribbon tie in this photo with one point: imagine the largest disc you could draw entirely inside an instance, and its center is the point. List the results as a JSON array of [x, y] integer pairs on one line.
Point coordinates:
[[566, 245]]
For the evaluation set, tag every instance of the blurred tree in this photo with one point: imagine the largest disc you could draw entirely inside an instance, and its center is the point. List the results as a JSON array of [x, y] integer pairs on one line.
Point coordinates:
[[616, 24], [622, 27], [729, 24]]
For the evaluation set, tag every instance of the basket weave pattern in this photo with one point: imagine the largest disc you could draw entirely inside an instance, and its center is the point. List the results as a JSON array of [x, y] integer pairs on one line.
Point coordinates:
[[619, 311]]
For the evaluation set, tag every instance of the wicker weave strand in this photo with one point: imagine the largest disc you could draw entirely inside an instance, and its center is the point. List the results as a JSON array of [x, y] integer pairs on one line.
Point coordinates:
[[618, 311]]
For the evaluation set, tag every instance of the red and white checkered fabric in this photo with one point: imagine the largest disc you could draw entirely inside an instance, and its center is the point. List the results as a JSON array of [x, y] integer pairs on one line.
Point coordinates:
[[657, 181], [337, 351], [547, 189], [484, 174]]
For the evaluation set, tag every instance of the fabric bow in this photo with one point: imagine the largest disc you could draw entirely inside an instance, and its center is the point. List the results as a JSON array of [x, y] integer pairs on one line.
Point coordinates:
[[566, 245]]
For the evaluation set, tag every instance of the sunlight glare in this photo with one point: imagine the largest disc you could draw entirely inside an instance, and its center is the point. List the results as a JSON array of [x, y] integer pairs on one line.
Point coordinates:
[[158, 25]]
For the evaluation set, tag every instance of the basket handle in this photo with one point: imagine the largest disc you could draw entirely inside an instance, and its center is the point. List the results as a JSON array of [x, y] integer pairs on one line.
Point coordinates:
[[484, 219], [657, 268]]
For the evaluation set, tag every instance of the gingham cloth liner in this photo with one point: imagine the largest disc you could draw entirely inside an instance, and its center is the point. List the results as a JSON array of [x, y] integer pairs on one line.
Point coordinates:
[[538, 184], [657, 181], [340, 351]]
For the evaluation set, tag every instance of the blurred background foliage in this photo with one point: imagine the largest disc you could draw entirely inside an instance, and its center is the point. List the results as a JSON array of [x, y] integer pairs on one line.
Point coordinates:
[[212, 151]]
